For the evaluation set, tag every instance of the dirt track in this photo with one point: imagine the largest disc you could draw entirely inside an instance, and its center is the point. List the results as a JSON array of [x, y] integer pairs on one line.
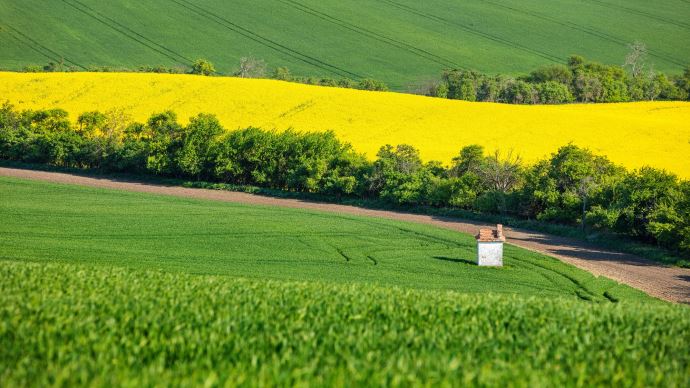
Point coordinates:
[[669, 283]]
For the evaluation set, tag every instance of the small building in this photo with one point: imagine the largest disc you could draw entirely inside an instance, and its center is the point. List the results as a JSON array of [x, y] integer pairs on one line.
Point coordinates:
[[490, 247]]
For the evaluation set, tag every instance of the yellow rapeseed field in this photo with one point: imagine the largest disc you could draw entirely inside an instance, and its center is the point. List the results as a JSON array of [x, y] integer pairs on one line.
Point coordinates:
[[631, 134]]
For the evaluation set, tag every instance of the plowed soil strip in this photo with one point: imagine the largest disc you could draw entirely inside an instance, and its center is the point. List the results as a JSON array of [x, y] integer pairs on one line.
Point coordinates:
[[664, 282]]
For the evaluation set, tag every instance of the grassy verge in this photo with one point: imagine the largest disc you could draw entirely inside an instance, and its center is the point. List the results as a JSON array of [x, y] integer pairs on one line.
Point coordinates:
[[67, 325]]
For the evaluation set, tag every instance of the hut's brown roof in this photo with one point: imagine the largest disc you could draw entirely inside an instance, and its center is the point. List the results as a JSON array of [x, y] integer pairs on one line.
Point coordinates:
[[491, 235]]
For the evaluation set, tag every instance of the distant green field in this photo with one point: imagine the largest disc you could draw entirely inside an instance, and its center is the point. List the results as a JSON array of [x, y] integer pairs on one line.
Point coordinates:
[[72, 224], [402, 42]]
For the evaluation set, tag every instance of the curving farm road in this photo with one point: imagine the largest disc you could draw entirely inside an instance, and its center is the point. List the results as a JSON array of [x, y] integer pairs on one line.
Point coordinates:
[[664, 282]]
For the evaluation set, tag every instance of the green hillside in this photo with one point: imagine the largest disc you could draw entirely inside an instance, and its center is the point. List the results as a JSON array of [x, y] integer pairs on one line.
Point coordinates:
[[72, 224], [398, 41]]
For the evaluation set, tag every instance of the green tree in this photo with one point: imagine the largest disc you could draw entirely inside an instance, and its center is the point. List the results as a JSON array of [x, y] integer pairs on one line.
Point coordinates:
[[372, 84], [282, 74], [347, 83], [565, 187], [555, 73], [647, 199], [500, 175], [520, 92], [462, 84], [197, 153], [683, 83], [397, 174], [162, 136], [203, 67], [552, 92], [91, 122], [470, 160]]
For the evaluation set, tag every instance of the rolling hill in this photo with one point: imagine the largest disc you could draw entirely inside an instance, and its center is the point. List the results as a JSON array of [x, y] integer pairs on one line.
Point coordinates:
[[107, 287], [398, 41], [144, 231], [630, 134]]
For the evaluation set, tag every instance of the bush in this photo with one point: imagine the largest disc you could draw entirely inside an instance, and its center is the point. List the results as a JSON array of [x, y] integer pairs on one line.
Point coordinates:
[[520, 92], [551, 92], [282, 74], [203, 67], [32, 69], [372, 84]]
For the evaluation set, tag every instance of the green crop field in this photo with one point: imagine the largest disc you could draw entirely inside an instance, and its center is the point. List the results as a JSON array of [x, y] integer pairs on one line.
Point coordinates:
[[72, 224], [105, 287], [68, 325], [398, 41]]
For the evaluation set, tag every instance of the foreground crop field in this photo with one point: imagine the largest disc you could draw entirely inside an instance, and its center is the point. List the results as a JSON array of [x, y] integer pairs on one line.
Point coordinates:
[[106, 287], [632, 134], [72, 224], [70, 325], [401, 42]]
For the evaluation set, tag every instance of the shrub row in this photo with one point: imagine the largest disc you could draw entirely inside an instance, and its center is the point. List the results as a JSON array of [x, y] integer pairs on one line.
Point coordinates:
[[248, 68], [573, 186]]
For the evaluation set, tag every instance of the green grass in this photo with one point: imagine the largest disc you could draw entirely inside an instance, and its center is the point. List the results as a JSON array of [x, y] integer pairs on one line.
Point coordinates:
[[73, 224], [398, 41], [112, 288], [68, 325]]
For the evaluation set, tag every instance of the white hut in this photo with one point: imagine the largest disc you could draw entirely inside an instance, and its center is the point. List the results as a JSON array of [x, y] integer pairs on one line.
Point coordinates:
[[490, 247]]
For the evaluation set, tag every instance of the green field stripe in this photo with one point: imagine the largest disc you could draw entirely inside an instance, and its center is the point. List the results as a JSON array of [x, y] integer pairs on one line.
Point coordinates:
[[590, 31], [26, 44], [34, 44], [90, 13], [474, 31], [372, 34], [183, 58], [265, 41], [642, 13]]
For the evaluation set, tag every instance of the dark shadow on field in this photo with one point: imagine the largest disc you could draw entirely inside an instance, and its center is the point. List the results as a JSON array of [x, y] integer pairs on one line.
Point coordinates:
[[566, 246], [684, 278], [454, 260]]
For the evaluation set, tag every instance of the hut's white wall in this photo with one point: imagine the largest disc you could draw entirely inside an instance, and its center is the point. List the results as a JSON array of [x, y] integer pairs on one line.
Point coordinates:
[[490, 254]]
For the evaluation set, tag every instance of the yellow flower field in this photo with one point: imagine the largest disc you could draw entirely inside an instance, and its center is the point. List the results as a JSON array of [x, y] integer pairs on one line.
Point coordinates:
[[631, 134]]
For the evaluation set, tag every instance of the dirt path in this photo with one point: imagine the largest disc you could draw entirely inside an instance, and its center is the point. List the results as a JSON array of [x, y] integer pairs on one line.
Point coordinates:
[[669, 283]]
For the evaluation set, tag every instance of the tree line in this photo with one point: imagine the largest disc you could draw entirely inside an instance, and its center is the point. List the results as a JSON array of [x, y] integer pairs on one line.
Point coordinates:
[[577, 81], [573, 186]]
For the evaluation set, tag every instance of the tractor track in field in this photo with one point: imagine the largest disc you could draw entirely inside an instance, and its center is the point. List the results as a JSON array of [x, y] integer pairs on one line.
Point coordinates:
[[264, 41], [639, 12], [588, 30], [474, 31], [659, 280], [36, 46], [414, 50], [127, 32]]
